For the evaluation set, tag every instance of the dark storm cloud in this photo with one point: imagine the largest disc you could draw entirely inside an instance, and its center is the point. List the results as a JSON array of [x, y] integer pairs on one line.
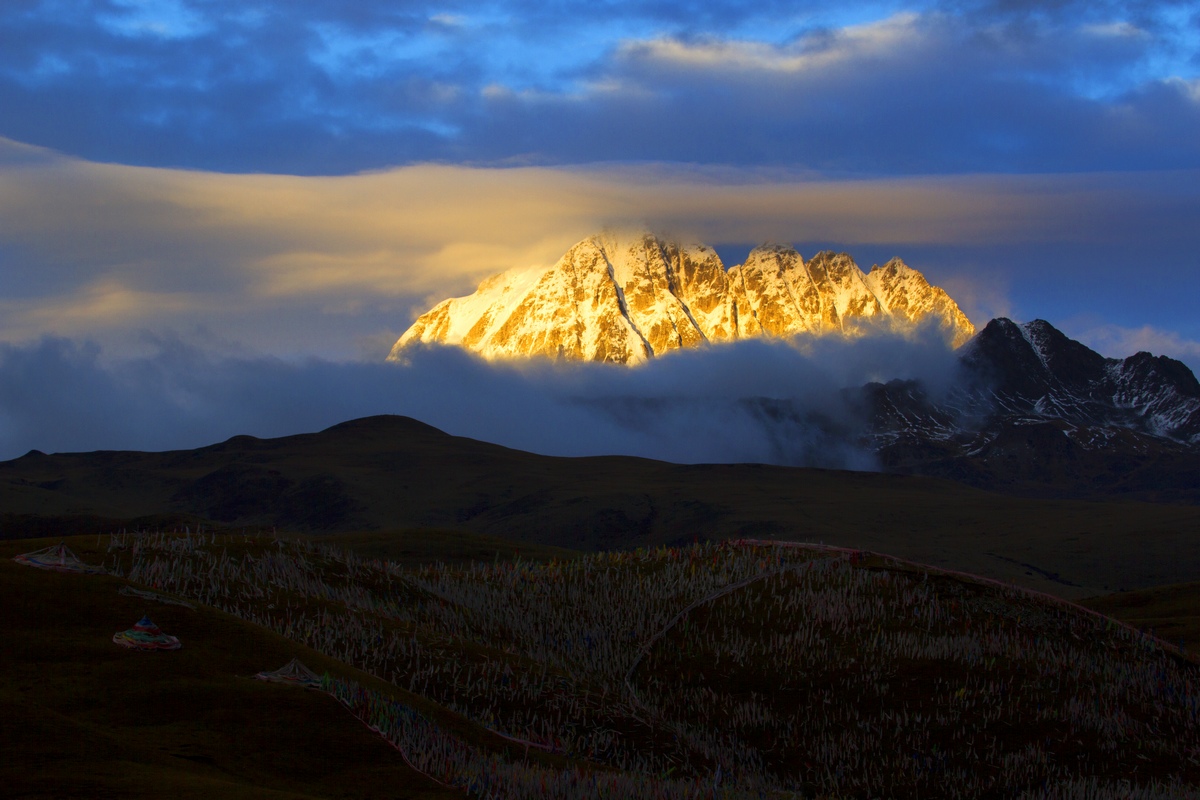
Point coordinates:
[[322, 87], [695, 406]]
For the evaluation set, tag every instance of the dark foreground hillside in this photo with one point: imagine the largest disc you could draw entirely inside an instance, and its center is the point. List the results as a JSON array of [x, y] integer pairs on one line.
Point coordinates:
[[723, 670], [391, 473], [80, 717]]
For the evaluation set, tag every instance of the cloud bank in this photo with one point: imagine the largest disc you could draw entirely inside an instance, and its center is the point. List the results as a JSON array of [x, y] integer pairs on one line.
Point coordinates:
[[337, 266], [1121, 342], [315, 87], [361, 161], [756, 401]]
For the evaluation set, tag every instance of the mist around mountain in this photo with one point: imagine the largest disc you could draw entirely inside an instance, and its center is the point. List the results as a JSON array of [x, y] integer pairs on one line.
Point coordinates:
[[628, 298], [1019, 408], [65, 396], [645, 346]]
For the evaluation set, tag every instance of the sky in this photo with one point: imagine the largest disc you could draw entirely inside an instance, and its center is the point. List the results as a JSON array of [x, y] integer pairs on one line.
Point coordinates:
[[292, 182]]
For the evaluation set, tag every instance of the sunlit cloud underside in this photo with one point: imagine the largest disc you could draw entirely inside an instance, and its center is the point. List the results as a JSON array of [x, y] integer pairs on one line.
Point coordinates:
[[97, 248]]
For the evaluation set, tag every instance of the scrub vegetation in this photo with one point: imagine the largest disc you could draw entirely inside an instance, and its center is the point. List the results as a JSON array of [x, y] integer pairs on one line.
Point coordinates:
[[737, 669]]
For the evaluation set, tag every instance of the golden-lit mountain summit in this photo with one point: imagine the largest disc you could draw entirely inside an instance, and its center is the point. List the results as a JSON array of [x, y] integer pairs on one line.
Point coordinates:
[[628, 300]]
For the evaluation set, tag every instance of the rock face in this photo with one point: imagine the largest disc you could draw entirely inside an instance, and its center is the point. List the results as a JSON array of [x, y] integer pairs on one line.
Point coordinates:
[[626, 301], [1037, 412], [1034, 369]]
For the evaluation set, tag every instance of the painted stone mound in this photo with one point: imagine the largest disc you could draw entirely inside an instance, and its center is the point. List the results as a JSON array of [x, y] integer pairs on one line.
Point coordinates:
[[145, 635]]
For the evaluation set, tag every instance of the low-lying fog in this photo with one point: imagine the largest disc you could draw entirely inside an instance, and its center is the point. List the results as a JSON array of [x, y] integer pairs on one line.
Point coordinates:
[[753, 401]]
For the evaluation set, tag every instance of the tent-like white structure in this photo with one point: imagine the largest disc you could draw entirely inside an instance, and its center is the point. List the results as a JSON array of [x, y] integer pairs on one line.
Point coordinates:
[[145, 635], [293, 673], [58, 558]]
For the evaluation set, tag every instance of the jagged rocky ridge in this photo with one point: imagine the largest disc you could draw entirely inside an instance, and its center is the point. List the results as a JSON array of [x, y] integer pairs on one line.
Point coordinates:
[[626, 301], [1036, 411], [1030, 410]]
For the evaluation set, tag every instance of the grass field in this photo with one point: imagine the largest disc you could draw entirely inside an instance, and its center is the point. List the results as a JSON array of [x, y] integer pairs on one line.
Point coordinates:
[[80, 717], [717, 670], [391, 474], [1170, 612]]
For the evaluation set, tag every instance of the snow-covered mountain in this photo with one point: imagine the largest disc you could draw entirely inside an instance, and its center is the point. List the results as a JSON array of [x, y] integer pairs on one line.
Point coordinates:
[[1035, 369], [1036, 411], [626, 300]]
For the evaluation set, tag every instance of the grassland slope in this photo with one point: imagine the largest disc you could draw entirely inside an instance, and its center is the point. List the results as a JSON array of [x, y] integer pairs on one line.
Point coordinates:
[[389, 473], [81, 717], [742, 669]]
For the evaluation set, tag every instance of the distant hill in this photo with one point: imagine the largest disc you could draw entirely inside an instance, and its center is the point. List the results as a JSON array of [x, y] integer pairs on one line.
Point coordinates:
[[388, 473]]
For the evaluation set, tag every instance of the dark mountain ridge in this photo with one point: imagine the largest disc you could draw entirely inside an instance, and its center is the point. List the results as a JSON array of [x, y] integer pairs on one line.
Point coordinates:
[[1036, 369], [1036, 412]]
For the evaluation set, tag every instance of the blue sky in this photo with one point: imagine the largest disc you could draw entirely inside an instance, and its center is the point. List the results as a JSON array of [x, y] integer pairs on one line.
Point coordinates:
[[313, 87], [299, 178]]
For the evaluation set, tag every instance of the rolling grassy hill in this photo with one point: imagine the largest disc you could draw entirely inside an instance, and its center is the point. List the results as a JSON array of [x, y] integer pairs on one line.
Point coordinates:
[[739, 669], [1170, 612], [85, 718], [394, 474]]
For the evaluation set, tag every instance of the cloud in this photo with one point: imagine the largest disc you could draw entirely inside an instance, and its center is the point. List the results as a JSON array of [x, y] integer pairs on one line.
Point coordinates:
[[1116, 341], [982, 294], [813, 53], [1190, 88], [905, 94], [754, 401], [325, 88], [1036, 159], [285, 263], [1119, 30], [165, 19], [100, 303]]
